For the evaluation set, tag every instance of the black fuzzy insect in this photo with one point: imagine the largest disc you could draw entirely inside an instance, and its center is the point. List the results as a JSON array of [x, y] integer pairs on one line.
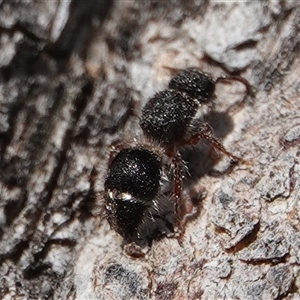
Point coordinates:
[[136, 207]]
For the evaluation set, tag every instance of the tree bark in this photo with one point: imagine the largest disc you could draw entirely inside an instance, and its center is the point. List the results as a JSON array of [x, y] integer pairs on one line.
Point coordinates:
[[74, 76]]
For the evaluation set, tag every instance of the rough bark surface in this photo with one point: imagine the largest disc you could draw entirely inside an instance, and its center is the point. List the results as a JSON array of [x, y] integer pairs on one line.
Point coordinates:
[[73, 78]]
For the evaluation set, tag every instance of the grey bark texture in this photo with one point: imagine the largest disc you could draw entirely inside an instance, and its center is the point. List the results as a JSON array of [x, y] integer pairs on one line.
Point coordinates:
[[74, 76]]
